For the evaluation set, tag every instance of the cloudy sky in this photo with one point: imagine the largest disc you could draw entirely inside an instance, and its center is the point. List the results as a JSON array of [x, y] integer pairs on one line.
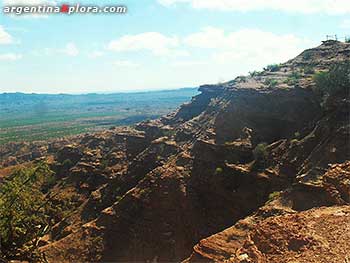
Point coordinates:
[[159, 44]]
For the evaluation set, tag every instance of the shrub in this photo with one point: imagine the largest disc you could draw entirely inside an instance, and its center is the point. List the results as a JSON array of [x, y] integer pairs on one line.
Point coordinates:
[[272, 67], [291, 81], [168, 133], [218, 170], [260, 155], [255, 73], [242, 78], [271, 83], [347, 39], [273, 196], [67, 163], [321, 80], [294, 142], [334, 82], [295, 75], [293, 78], [309, 70], [297, 134], [23, 210], [104, 163], [307, 55], [260, 151]]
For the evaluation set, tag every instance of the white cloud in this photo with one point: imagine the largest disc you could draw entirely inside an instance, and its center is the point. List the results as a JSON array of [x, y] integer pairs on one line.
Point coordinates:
[[345, 24], [70, 50], [125, 64], [10, 57], [154, 42], [177, 53], [217, 54], [247, 45], [5, 38], [209, 37], [95, 54], [332, 7], [245, 49], [188, 63]]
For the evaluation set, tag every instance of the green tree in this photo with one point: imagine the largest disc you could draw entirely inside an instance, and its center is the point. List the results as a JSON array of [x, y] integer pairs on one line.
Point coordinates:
[[335, 82], [24, 210], [261, 156], [272, 67]]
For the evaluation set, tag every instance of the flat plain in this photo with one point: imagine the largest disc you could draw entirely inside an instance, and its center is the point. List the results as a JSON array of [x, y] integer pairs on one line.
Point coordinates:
[[31, 117]]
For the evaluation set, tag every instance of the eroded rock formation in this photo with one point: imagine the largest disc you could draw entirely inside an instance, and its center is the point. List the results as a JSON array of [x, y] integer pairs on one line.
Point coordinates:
[[187, 186]]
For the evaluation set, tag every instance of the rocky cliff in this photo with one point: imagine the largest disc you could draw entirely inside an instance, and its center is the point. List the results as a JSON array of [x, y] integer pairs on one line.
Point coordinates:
[[191, 185]]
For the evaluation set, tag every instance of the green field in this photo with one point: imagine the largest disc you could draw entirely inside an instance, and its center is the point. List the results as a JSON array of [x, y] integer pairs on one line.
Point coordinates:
[[30, 117]]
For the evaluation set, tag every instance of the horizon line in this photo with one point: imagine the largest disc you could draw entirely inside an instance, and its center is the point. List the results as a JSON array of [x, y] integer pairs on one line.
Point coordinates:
[[99, 93]]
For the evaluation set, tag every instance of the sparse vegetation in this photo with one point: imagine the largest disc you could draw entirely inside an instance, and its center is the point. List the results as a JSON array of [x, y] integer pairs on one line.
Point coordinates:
[[243, 78], [334, 82], [104, 163], [31, 117], [293, 78], [308, 70], [294, 142], [255, 73], [67, 164], [295, 75], [271, 83], [307, 55], [273, 196], [260, 156], [24, 210], [218, 170], [273, 67], [297, 134], [169, 133]]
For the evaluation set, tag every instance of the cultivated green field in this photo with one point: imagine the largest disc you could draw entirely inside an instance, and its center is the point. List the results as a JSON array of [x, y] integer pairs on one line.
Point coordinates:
[[29, 117]]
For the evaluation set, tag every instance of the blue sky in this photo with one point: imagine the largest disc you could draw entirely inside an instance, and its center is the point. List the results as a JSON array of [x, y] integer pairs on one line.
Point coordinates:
[[159, 44]]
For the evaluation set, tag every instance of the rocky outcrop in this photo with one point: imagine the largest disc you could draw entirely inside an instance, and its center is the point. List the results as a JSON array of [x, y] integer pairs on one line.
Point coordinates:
[[278, 232], [337, 183], [316, 235], [270, 114]]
